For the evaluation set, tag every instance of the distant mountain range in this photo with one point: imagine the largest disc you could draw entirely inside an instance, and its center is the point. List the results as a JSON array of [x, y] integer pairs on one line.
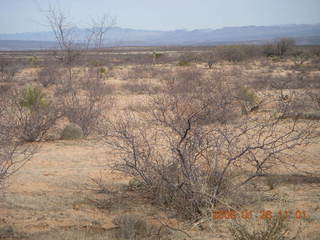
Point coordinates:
[[306, 34]]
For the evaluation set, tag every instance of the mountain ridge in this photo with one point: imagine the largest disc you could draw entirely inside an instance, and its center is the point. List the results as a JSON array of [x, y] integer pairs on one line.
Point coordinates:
[[117, 36]]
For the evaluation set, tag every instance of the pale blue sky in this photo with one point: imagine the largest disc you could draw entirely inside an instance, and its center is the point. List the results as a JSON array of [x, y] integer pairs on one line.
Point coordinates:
[[27, 15]]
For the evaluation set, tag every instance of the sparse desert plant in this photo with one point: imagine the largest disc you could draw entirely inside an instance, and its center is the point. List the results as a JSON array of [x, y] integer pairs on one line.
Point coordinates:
[[209, 58], [183, 63], [13, 152], [276, 228], [186, 58], [249, 100], [8, 70], [279, 47], [34, 113], [32, 97], [236, 53], [50, 74], [131, 227], [230, 53], [248, 95], [83, 100], [283, 45], [34, 60], [300, 56], [71, 131], [184, 80], [156, 56], [210, 63]]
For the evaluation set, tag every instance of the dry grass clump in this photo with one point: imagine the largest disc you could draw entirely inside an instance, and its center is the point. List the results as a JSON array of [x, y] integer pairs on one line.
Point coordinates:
[[276, 228], [131, 227]]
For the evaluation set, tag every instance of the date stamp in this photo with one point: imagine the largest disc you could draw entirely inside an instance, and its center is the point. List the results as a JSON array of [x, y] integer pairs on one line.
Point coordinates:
[[258, 214]]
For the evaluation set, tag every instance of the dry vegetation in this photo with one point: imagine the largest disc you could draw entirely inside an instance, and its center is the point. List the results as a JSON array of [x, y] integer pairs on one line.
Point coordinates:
[[145, 143]]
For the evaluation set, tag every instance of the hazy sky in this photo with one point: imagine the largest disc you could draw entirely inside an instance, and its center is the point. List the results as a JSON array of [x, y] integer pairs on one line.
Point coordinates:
[[29, 15]]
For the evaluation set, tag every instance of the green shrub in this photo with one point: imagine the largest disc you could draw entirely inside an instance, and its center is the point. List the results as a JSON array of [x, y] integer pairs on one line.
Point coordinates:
[[155, 56], [248, 95], [72, 131], [102, 70], [34, 60], [33, 98], [135, 183], [249, 99], [183, 63]]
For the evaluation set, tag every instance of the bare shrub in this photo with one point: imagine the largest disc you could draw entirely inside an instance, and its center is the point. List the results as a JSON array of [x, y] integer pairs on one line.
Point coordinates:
[[84, 99], [186, 58], [34, 113], [279, 47], [188, 166], [183, 63], [8, 70], [283, 45], [231, 54], [13, 152], [236, 53], [50, 74], [184, 80], [209, 57], [315, 97]]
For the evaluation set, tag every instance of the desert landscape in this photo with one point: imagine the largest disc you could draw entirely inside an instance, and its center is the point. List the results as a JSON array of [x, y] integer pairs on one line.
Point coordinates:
[[160, 128], [106, 115]]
